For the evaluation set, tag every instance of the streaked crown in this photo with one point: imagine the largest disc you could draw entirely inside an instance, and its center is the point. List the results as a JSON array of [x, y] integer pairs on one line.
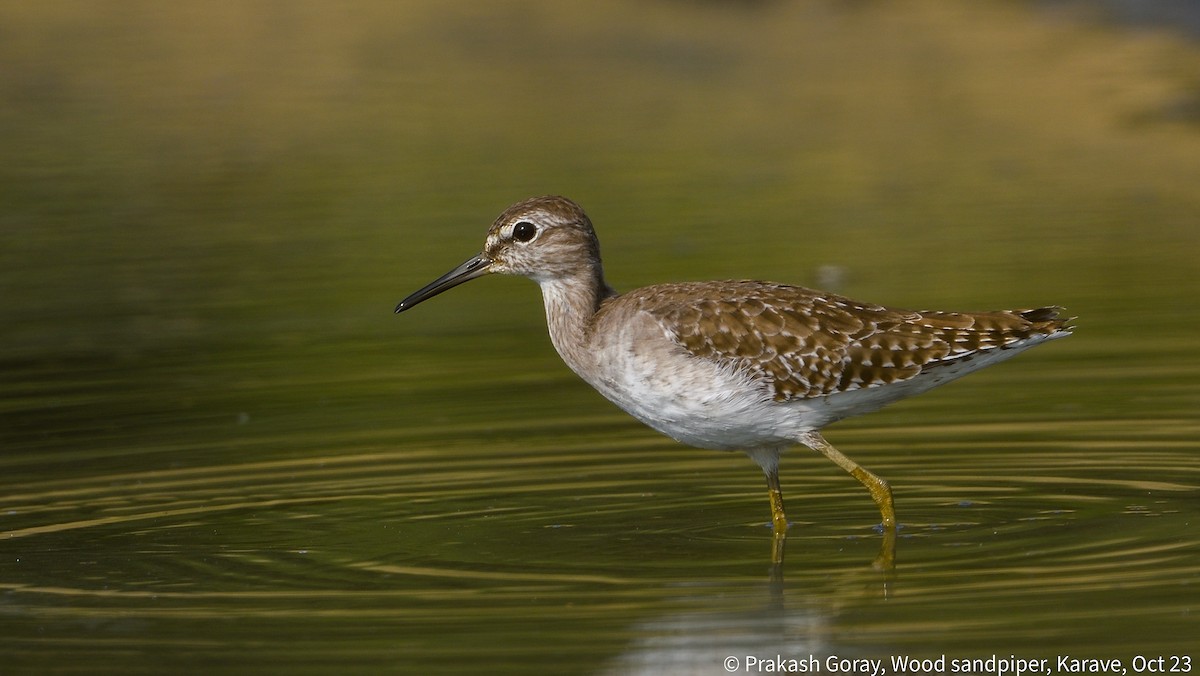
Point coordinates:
[[543, 238]]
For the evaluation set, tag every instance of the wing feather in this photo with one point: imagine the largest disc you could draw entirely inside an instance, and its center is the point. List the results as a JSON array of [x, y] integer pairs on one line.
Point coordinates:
[[801, 343]]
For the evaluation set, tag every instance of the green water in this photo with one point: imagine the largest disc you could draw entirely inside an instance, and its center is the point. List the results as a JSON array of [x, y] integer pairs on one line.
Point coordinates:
[[221, 450]]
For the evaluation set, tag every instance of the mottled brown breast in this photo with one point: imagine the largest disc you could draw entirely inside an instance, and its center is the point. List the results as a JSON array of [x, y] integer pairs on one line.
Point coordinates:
[[803, 343]]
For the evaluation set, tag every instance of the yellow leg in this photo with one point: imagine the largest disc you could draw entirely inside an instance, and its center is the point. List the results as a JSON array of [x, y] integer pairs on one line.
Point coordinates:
[[779, 524], [880, 491], [778, 540], [886, 560], [779, 521]]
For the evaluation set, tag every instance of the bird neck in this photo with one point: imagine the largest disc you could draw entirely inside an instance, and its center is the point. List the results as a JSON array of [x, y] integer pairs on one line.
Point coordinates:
[[571, 304]]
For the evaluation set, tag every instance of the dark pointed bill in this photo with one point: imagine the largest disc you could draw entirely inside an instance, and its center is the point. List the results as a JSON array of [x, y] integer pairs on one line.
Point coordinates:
[[476, 266]]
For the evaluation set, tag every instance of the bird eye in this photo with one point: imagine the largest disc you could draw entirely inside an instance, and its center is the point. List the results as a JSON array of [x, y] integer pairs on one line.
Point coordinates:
[[524, 231]]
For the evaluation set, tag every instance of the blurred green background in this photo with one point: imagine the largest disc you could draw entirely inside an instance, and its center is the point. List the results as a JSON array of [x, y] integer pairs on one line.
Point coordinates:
[[224, 173]]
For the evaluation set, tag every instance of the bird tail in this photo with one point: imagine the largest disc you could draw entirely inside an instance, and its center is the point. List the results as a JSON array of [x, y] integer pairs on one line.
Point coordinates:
[[1048, 320]]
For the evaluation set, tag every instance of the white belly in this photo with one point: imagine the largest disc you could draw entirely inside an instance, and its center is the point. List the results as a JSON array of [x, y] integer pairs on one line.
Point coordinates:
[[701, 403], [692, 400]]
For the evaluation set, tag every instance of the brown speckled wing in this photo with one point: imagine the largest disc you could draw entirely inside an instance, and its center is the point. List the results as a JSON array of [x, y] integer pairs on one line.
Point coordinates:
[[802, 343]]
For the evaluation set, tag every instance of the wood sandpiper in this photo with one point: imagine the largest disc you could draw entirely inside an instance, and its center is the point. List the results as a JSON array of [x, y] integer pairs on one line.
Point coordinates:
[[738, 365]]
